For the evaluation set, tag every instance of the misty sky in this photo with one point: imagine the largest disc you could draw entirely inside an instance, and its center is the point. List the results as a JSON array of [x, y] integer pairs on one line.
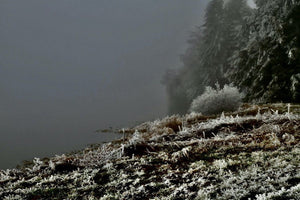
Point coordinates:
[[69, 67]]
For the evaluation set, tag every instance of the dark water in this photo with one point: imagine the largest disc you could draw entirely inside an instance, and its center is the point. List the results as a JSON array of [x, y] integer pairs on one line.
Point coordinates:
[[68, 68]]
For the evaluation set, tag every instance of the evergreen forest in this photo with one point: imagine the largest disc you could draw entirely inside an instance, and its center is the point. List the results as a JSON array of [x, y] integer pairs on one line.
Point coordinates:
[[253, 49]]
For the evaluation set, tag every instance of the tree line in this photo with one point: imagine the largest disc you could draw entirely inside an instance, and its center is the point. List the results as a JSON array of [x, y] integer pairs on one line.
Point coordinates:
[[254, 49]]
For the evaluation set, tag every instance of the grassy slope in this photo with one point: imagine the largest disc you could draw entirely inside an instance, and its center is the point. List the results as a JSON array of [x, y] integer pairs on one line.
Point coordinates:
[[253, 155]]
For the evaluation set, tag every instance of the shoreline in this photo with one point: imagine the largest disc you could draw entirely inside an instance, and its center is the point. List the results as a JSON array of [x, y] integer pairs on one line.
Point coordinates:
[[251, 153]]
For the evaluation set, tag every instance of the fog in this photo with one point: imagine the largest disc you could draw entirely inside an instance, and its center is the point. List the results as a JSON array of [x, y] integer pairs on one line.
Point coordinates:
[[68, 68], [251, 3]]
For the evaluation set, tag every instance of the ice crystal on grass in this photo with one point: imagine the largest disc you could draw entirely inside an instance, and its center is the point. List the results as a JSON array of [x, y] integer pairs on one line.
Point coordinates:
[[233, 156]]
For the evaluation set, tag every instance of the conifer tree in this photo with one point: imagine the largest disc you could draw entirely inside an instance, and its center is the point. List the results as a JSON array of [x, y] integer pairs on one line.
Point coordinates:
[[206, 59], [268, 67]]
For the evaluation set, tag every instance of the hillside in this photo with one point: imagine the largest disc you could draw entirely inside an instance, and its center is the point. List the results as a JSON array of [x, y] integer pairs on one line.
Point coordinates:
[[250, 154]]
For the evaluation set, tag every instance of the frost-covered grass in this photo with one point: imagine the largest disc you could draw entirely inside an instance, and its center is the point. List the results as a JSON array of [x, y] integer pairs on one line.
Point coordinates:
[[250, 154]]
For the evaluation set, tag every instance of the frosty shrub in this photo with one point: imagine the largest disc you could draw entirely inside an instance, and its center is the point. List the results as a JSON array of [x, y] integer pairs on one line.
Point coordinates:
[[214, 101]]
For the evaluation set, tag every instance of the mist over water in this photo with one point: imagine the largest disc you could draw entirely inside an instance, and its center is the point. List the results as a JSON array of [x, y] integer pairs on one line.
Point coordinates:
[[68, 68]]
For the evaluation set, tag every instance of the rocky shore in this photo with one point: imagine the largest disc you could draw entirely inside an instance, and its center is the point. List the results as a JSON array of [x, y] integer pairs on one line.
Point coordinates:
[[253, 153]]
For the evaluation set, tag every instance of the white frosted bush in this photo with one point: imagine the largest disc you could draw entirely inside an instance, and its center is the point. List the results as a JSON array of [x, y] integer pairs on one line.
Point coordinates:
[[214, 101]]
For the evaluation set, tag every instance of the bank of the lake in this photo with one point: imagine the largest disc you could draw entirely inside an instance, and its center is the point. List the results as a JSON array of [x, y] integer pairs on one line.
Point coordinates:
[[250, 154]]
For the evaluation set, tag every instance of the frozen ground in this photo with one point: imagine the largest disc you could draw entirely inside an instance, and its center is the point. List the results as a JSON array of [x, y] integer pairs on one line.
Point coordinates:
[[250, 154]]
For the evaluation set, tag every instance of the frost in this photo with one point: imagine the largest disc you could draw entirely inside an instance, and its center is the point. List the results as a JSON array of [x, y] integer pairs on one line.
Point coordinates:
[[234, 153], [217, 101]]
